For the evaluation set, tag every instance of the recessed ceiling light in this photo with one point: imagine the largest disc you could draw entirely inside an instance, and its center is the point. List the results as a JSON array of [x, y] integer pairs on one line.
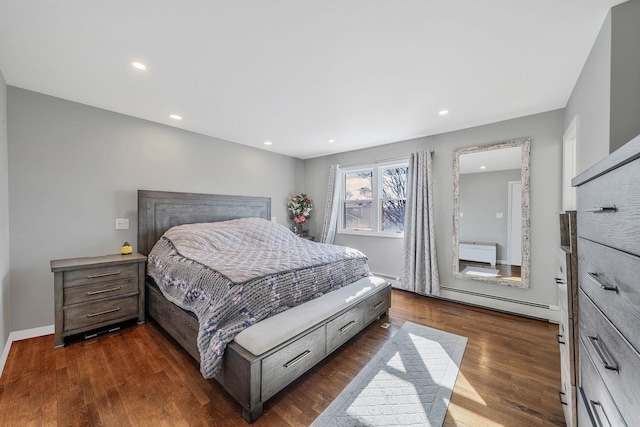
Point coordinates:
[[443, 112], [175, 117], [268, 143], [331, 141], [139, 65], [483, 167]]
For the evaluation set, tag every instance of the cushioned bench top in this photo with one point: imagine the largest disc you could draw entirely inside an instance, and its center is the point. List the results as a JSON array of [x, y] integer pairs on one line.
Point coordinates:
[[273, 331]]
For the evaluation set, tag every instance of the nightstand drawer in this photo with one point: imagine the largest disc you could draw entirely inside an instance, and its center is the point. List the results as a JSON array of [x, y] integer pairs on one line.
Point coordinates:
[[99, 312], [88, 276], [88, 293]]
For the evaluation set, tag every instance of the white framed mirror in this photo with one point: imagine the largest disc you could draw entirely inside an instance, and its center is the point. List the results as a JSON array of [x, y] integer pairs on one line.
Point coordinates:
[[491, 213]]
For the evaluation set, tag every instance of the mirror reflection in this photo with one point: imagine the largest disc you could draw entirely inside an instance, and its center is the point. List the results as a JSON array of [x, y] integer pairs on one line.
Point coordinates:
[[491, 218]]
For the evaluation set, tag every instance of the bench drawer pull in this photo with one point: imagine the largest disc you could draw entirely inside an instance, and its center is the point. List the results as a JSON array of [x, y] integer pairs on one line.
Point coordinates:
[[347, 326], [103, 312], [297, 359], [375, 307], [594, 278]]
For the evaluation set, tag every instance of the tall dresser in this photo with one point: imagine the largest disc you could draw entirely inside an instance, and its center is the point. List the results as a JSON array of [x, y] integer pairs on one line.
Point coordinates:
[[608, 204], [567, 281]]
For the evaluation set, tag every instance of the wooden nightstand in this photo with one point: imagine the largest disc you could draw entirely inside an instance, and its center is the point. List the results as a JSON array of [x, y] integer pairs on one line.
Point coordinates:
[[94, 292]]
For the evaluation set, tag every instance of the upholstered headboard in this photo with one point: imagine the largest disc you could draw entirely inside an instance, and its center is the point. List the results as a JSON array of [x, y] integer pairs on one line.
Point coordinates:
[[160, 210]]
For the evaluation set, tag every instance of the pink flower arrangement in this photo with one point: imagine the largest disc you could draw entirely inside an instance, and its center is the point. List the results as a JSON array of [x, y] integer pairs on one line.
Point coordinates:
[[300, 208]]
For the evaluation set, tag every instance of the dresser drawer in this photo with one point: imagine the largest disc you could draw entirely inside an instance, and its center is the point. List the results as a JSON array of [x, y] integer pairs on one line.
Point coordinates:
[[619, 228], [100, 312], [89, 276], [377, 304], [80, 294], [597, 400], [345, 326], [615, 360], [288, 363], [603, 268]]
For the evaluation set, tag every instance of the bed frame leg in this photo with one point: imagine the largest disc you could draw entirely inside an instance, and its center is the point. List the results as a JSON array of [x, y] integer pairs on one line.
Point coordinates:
[[252, 414]]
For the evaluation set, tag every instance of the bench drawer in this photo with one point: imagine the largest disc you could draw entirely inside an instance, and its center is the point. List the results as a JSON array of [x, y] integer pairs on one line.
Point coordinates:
[[598, 221], [614, 359], [610, 278], [345, 326], [288, 363], [377, 304]]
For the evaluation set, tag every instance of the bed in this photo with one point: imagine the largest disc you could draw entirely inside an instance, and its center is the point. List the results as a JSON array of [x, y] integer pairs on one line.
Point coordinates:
[[267, 355]]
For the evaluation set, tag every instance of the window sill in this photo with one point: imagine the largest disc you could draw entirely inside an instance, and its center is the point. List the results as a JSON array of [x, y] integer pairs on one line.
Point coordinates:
[[369, 233]]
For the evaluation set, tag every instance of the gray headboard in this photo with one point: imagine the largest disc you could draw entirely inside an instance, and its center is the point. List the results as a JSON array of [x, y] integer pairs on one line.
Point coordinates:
[[160, 210]]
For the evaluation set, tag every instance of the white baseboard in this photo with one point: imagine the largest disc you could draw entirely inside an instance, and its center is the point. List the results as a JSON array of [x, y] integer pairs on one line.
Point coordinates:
[[23, 335]]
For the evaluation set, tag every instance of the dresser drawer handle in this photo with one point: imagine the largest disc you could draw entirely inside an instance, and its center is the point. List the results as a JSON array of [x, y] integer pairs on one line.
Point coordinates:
[[599, 419], [103, 312], [347, 326], [117, 288], [560, 395], [602, 209], [594, 278], [603, 354], [375, 307], [296, 359], [95, 276], [560, 281], [558, 338]]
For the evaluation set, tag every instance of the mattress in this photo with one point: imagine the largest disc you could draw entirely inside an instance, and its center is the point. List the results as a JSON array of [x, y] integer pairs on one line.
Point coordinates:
[[233, 274]]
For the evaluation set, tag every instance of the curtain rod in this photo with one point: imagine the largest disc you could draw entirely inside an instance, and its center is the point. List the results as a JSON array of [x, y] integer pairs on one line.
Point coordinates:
[[432, 152]]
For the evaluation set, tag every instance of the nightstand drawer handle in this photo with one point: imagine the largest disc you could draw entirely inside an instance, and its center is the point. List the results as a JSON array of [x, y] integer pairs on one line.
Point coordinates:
[[95, 276], [117, 288], [599, 419], [103, 312], [594, 277]]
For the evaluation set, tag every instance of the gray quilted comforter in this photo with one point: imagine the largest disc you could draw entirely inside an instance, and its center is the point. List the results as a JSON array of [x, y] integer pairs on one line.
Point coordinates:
[[235, 273]]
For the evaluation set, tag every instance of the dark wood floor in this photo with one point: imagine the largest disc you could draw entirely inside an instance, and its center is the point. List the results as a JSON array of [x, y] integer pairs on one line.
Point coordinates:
[[510, 376]]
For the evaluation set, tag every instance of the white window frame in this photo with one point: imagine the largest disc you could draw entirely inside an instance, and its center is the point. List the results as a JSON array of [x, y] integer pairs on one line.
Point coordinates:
[[376, 183]]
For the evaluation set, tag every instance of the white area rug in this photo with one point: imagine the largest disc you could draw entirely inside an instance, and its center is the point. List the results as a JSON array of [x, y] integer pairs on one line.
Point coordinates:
[[479, 271], [408, 383]]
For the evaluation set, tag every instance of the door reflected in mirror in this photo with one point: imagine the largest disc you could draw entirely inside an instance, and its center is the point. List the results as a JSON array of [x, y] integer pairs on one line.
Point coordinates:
[[491, 213]]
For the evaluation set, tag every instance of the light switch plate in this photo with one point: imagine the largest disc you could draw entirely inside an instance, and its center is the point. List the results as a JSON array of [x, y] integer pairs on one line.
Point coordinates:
[[122, 223]]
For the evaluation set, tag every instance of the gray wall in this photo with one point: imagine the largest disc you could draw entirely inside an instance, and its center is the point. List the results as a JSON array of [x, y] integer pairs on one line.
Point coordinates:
[[590, 100], [5, 312], [482, 196], [625, 74], [606, 96], [74, 169], [385, 254]]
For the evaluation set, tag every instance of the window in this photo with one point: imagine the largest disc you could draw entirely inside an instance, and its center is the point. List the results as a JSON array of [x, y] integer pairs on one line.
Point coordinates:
[[374, 199]]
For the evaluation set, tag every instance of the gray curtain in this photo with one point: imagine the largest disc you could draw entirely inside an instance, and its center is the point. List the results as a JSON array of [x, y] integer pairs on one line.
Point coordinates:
[[420, 272], [330, 223]]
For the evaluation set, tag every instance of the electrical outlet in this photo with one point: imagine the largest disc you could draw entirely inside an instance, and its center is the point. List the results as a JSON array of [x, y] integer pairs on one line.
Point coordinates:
[[122, 223], [273, 219], [499, 215]]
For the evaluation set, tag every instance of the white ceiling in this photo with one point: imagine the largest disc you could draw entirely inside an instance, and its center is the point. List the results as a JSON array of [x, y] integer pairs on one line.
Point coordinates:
[[299, 73], [491, 160]]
